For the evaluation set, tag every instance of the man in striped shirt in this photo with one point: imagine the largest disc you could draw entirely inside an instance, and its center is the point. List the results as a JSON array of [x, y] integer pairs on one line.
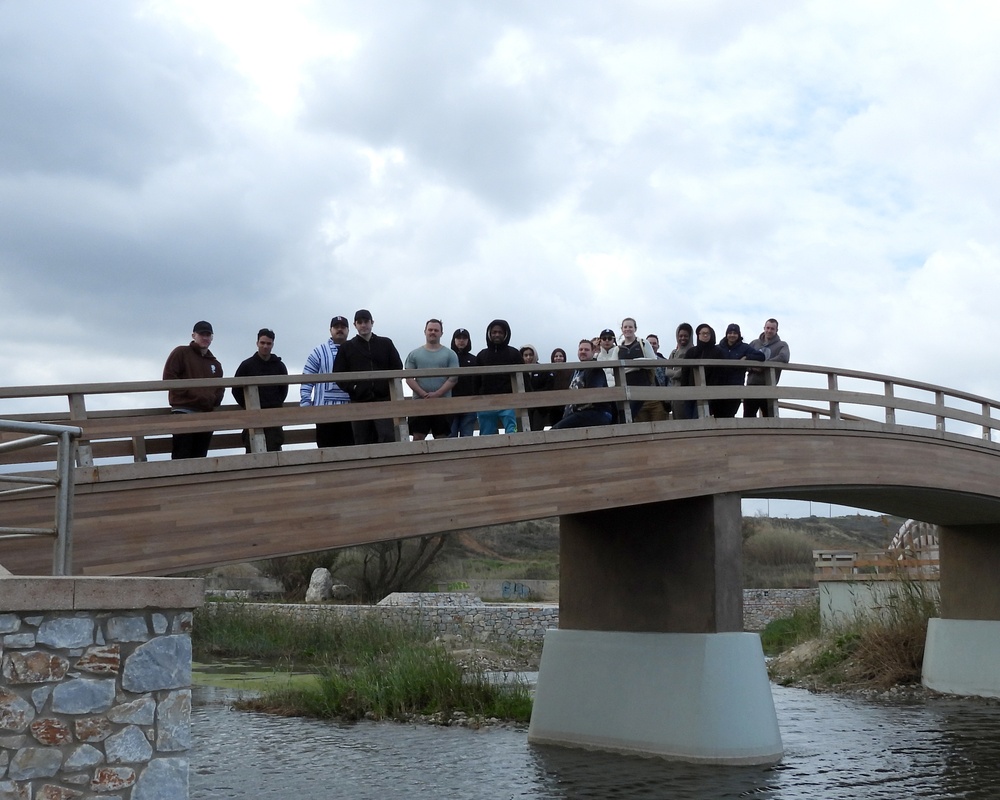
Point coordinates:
[[320, 362]]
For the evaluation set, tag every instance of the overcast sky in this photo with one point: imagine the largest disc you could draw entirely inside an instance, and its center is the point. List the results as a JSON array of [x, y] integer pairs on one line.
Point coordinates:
[[557, 164]]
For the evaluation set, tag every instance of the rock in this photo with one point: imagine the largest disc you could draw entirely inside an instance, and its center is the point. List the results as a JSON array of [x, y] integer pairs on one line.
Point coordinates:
[[341, 591], [320, 586]]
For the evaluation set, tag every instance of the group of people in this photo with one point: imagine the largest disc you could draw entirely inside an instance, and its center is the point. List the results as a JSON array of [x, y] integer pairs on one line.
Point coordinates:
[[368, 352]]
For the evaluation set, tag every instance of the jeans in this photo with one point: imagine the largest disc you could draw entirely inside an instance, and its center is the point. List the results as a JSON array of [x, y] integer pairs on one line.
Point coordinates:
[[490, 420], [463, 425]]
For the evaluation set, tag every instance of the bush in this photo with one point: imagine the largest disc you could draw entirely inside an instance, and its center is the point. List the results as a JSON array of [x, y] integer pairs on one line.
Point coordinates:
[[778, 548], [787, 632], [876, 648]]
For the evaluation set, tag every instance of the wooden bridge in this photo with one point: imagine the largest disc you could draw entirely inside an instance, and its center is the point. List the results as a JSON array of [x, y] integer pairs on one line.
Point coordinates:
[[650, 539], [845, 437]]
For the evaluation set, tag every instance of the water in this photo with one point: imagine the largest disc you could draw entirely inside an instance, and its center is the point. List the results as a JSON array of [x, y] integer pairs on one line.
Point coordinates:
[[835, 747]]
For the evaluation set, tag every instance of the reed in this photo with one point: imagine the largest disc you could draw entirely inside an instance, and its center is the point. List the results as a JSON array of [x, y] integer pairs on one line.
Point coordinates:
[[365, 669], [414, 680], [875, 648]]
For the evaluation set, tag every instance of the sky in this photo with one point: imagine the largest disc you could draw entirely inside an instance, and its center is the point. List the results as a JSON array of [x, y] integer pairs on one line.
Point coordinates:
[[557, 164]]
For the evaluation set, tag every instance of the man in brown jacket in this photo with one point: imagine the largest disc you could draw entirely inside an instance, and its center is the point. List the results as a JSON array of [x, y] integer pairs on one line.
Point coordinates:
[[193, 360]]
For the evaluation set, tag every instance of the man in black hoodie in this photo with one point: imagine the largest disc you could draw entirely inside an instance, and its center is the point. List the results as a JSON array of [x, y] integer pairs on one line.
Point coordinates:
[[735, 349], [497, 352], [367, 352], [264, 362]]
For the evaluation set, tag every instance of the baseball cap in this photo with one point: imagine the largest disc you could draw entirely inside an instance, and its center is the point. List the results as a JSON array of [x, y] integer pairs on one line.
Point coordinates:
[[362, 314], [607, 332], [340, 321], [203, 327], [733, 327]]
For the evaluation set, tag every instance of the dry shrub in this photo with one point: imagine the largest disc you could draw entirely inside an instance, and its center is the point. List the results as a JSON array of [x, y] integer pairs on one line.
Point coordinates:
[[774, 547], [890, 640]]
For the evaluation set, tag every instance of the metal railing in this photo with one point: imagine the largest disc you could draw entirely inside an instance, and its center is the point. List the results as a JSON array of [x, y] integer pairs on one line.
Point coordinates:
[[40, 434]]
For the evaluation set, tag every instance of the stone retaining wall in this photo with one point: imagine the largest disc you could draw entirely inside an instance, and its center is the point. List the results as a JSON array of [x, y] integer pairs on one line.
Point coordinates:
[[95, 687], [467, 615], [481, 621], [761, 606]]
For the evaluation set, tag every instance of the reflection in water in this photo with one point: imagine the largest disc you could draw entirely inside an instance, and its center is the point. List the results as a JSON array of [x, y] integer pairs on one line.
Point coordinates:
[[835, 747]]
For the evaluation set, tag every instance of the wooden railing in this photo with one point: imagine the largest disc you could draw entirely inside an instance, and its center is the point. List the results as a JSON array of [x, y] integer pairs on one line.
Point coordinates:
[[852, 565], [139, 428]]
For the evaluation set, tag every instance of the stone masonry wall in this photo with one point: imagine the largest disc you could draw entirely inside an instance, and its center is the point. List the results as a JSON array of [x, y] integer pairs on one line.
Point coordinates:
[[761, 606], [467, 615], [479, 620], [95, 687]]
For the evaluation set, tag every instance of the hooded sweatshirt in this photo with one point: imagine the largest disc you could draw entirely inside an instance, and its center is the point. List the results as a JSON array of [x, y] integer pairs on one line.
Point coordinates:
[[467, 385], [774, 350], [703, 350], [674, 373], [494, 355], [735, 377], [536, 381]]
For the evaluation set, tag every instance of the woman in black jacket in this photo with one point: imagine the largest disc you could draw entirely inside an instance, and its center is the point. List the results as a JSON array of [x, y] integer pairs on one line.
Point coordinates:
[[704, 347]]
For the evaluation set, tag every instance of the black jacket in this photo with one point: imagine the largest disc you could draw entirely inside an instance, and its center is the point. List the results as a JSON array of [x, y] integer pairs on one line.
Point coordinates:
[[703, 350], [497, 355], [468, 385], [358, 355], [270, 396]]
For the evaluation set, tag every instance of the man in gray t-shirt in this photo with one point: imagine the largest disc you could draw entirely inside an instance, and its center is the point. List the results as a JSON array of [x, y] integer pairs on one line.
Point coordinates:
[[433, 355]]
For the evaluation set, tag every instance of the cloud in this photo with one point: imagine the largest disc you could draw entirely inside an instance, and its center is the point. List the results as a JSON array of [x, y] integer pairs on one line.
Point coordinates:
[[560, 165]]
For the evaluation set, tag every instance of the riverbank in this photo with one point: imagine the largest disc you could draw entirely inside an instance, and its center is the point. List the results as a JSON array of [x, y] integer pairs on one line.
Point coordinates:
[[364, 669]]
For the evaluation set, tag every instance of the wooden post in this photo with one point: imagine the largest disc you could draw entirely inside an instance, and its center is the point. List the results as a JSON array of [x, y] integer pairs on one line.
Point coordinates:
[[78, 411]]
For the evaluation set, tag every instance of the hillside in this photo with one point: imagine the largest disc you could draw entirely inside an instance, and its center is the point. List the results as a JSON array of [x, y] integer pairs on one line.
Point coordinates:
[[530, 550], [534, 540]]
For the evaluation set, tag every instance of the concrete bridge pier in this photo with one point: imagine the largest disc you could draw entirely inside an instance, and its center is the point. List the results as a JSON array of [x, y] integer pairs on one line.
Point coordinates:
[[650, 656], [962, 650]]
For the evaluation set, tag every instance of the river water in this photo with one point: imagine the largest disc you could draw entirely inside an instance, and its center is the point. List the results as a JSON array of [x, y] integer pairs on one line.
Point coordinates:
[[835, 747]]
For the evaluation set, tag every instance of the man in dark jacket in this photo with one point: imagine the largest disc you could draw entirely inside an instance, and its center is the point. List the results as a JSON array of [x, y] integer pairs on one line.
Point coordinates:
[[264, 362], [583, 415], [497, 352], [367, 352], [735, 349], [193, 360]]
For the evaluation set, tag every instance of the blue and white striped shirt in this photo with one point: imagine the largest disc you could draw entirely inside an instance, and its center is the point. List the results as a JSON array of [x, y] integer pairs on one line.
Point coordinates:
[[320, 361]]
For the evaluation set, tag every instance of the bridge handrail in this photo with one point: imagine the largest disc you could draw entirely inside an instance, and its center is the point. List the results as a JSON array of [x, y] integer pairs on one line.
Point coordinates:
[[131, 387], [62, 530], [138, 424]]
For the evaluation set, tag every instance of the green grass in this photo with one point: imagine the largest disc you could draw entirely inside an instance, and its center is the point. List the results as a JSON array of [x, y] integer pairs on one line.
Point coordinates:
[[365, 668], [787, 632], [417, 679]]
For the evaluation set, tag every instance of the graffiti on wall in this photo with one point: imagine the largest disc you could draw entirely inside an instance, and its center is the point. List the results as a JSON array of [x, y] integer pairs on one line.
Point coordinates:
[[514, 590]]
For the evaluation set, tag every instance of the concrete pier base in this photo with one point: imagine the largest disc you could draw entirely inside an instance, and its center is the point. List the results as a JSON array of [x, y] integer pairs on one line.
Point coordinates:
[[698, 697], [962, 656]]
